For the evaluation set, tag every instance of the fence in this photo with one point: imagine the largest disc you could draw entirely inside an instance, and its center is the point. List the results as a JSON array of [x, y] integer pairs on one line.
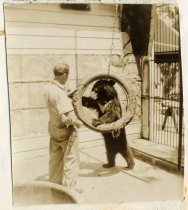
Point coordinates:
[[166, 95]]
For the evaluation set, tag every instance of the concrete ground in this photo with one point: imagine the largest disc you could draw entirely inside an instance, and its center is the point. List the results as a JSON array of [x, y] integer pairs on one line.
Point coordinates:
[[145, 182]]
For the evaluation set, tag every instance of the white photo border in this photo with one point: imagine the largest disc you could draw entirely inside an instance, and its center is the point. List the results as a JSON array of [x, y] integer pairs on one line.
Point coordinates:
[[5, 136]]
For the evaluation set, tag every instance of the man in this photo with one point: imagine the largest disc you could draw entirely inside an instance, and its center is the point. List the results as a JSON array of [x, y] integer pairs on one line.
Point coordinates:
[[63, 149]]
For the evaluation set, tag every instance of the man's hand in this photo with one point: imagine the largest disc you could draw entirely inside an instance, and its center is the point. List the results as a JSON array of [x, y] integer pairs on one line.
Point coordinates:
[[96, 122], [71, 93], [71, 119], [116, 133], [78, 123]]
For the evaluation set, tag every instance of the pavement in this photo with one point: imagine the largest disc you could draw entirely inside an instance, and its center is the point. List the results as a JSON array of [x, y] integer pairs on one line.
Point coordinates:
[[150, 180], [162, 156]]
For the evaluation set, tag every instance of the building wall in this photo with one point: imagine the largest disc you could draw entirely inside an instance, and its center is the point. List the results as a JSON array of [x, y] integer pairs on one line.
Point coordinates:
[[40, 36]]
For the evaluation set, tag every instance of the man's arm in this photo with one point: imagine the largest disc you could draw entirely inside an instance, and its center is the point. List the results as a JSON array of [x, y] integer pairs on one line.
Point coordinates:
[[66, 110], [71, 119]]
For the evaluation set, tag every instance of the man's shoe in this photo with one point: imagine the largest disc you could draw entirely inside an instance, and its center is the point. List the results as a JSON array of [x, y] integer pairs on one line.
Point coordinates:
[[108, 165]]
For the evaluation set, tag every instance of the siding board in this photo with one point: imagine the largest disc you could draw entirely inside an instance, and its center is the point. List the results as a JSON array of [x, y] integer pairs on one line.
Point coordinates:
[[97, 34], [34, 16], [91, 43], [51, 31], [24, 24], [96, 9], [17, 51], [34, 31], [37, 42]]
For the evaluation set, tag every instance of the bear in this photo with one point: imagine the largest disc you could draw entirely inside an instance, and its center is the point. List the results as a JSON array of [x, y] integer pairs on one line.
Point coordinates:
[[104, 99]]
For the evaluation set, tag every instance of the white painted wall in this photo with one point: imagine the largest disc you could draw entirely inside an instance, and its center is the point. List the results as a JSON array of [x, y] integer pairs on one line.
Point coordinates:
[[48, 29]]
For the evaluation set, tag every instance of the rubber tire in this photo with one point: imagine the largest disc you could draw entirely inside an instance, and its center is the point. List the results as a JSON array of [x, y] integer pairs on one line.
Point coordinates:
[[127, 113]]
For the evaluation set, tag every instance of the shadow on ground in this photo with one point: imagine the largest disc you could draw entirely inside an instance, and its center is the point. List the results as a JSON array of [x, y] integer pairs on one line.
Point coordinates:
[[92, 169]]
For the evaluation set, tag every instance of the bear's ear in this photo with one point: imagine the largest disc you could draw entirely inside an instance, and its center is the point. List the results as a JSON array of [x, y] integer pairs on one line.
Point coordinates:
[[111, 82]]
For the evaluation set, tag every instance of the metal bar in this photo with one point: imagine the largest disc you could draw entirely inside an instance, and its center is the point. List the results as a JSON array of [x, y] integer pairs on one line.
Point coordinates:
[[76, 58], [164, 94], [180, 115]]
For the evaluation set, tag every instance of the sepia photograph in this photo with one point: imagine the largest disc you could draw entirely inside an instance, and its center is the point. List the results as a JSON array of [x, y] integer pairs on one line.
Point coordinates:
[[96, 102]]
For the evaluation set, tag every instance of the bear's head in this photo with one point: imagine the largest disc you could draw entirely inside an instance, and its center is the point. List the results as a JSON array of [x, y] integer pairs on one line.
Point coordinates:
[[104, 90]]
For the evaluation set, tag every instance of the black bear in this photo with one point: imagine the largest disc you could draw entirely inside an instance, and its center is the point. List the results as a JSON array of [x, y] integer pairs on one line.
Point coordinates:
[[104, 99]]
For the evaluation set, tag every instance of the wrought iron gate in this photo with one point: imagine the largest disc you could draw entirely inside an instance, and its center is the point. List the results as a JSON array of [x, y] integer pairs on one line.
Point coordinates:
[[166, 95]]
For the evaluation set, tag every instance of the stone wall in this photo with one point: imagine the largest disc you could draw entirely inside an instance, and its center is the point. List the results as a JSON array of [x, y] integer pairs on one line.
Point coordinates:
[[28, 76], [31, 75]]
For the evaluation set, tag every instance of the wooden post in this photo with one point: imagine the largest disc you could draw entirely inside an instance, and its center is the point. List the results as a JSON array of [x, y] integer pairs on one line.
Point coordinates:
[[145, 97], [146, 128]]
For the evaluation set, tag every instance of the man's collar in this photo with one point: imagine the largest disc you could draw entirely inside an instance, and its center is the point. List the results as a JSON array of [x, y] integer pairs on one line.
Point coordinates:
[[59, 84]]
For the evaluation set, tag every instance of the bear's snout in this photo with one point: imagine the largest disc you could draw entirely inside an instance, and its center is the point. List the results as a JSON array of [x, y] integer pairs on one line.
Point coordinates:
[[93, 95]]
